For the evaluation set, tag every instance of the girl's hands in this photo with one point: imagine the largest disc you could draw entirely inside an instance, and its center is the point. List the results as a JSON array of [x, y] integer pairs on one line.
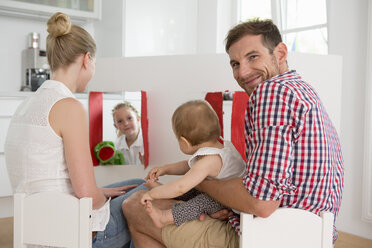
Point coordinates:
[[141, 157], [114, 192], [146, 197], [155, 173]]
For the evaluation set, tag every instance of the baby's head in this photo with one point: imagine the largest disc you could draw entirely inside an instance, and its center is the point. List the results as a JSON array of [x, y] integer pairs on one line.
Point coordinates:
[[197, 122], [126, 119]]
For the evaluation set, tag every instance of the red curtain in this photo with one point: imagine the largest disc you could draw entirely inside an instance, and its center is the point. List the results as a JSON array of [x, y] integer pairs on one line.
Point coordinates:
[[145, 126], [239, 106], [215, 99], [95, 122]]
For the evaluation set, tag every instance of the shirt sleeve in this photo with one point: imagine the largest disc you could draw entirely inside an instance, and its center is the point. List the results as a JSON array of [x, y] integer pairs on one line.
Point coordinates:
[[274, 120]]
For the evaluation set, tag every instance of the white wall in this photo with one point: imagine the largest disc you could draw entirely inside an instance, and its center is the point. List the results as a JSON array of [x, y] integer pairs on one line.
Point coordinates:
[[347, 37], [13, 39]]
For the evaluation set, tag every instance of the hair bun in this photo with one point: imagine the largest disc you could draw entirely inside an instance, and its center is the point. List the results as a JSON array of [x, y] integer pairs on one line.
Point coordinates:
[[59, 24]]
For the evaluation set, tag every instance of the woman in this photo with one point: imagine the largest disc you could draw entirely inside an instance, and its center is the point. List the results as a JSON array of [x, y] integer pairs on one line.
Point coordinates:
[[47, 145]]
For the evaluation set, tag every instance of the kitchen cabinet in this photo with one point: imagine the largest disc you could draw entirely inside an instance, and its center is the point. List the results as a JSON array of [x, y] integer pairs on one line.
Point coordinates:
[[8, 105], [78, 10]]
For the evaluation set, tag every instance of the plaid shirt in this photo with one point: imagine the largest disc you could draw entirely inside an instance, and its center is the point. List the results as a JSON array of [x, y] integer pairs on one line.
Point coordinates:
[[294, 154]]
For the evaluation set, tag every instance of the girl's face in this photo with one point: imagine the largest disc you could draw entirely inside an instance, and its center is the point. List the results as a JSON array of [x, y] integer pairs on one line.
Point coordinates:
[[127, 122]]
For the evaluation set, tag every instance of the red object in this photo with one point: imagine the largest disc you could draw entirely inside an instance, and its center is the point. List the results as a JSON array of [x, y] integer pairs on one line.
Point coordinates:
[[215, 99], [239, 106], [106, 153], [145, 126], [95, 122]]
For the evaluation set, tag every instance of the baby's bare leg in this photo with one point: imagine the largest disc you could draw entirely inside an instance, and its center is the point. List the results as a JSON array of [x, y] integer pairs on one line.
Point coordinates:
[[161, 218], [143, 232]]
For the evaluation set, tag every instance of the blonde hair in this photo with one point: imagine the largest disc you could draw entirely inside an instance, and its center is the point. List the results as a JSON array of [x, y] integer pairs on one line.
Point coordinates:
[[124, 105], [197, 122], [66, 41], [120, 106]]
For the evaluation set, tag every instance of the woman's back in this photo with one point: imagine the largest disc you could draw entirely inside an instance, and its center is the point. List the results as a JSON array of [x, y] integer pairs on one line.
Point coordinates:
[[31, 136]]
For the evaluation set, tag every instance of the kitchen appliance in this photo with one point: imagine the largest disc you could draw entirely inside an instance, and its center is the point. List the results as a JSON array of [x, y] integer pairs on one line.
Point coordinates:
[[35, 68]]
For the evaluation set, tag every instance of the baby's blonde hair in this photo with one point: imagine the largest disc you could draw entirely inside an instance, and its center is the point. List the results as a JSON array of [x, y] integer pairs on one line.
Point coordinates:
[[197, 122], [66, 41]]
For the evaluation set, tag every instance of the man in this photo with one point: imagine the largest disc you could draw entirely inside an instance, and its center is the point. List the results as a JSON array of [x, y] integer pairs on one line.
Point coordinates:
[[293, 153]]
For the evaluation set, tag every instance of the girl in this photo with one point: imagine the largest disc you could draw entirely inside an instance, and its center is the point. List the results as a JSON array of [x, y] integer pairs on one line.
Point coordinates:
[[129, 141], [47, 144], [197, 129]]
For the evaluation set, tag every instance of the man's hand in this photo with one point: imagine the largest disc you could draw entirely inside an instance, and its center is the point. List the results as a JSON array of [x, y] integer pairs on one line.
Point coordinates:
[[223, 214], [114, 192]]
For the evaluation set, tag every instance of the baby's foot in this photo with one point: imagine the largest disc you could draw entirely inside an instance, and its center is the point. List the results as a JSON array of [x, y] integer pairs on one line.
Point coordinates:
[[161, 218], [150, 184]]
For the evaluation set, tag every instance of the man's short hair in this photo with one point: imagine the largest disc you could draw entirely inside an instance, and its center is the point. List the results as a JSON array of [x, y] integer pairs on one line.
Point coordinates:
[[271, 36]]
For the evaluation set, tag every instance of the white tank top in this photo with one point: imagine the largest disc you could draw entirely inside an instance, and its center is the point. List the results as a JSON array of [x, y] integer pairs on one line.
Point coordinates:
[[34, 153], [232, 163]]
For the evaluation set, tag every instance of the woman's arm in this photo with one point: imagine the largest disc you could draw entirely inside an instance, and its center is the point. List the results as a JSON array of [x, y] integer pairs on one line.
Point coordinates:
[[206, 166], [69, 120]]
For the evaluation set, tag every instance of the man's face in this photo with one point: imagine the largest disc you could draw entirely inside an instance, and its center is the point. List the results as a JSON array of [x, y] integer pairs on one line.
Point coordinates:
[[252, 62]]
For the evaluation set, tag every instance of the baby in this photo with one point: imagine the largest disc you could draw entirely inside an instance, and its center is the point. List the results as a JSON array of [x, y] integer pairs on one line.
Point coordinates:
[[197, 129]]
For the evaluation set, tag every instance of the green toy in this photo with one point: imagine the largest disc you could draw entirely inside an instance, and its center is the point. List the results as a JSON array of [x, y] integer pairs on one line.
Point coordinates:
[[107, 154]]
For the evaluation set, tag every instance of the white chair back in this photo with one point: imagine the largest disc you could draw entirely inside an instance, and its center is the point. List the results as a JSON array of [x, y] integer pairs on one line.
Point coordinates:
[[52, 219], [287, 228]]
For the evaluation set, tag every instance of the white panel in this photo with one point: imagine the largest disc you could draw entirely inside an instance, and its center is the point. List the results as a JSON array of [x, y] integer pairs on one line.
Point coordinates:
[[4, 124], [5, 188], [367, 170], [328, 87], [227, 112], [170, 25], [84, 102], [108, 174], [9, 105]]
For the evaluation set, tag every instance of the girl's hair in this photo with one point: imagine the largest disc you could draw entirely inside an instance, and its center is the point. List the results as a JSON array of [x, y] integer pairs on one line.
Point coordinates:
[[66, 41], [197, 122], [124, 105]]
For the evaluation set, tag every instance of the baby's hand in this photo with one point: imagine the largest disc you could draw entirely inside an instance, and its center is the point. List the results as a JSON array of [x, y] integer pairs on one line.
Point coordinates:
[[155, 173], [150, 184], [146, 197]]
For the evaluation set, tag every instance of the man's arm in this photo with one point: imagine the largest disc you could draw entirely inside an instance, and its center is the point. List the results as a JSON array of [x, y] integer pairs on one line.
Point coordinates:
[[233, 194]]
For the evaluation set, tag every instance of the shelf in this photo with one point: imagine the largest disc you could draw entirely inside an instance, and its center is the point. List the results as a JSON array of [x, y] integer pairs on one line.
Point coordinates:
[[27, 9]]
